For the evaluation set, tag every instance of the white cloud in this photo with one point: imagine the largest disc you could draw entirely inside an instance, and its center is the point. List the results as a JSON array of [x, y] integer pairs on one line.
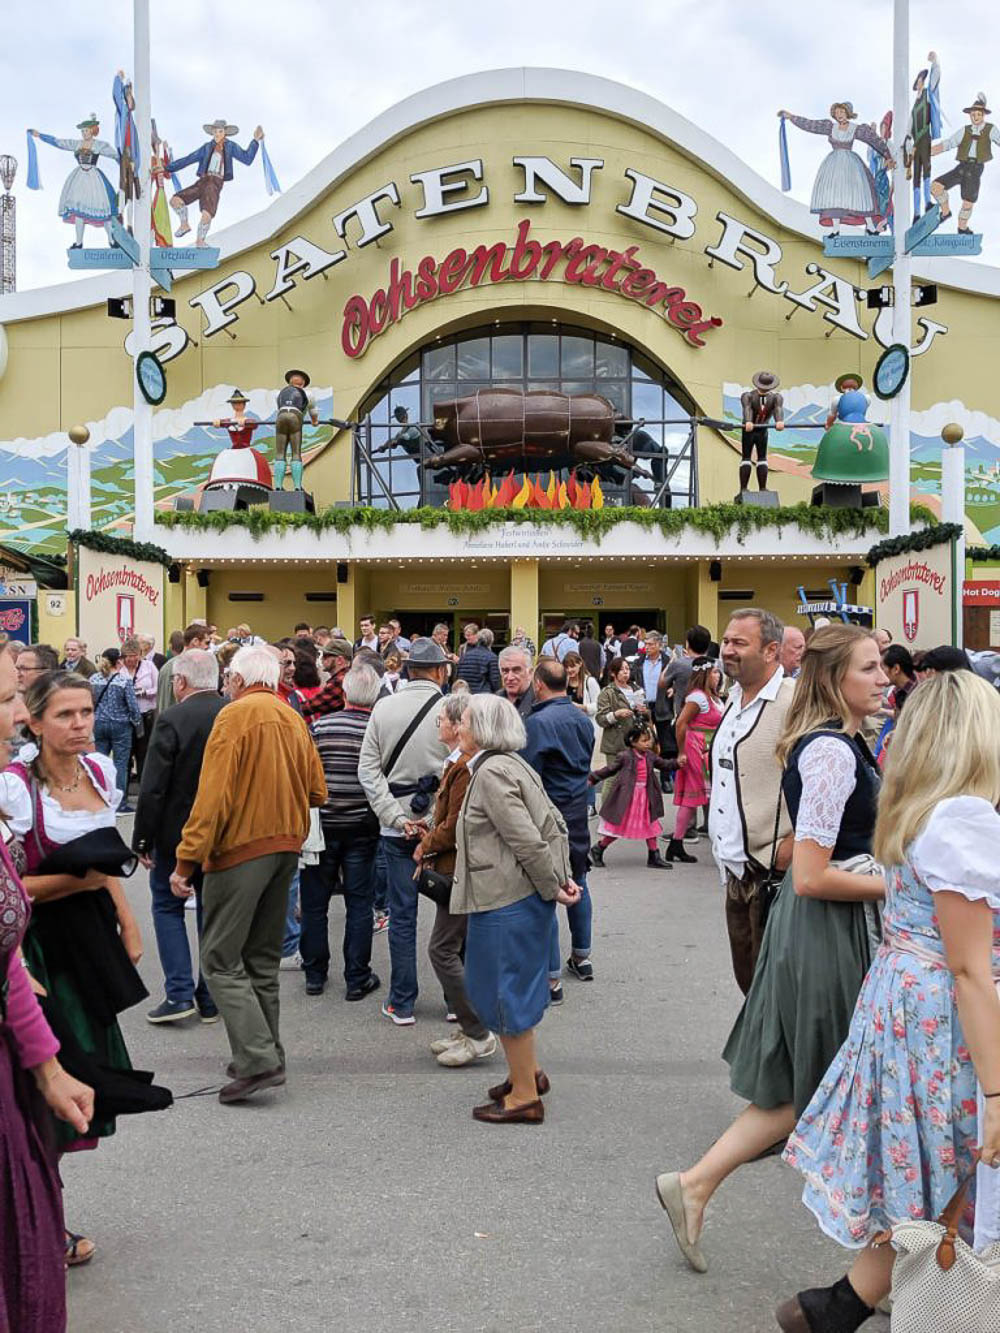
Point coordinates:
[[312, 74]]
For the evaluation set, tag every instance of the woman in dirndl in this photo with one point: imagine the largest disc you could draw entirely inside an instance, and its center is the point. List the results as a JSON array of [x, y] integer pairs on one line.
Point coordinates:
[[895, 1123], [695, 727], [32, 1084], [88, 198], [844, 190], [820, 935]]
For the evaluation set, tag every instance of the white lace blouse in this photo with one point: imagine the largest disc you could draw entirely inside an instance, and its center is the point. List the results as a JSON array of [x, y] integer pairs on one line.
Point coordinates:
[[829, 774]]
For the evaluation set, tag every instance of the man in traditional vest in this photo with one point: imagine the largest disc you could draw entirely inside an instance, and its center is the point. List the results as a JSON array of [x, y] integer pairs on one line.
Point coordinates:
[[975, 148], [748, 823], [925, 127], [293, 403]]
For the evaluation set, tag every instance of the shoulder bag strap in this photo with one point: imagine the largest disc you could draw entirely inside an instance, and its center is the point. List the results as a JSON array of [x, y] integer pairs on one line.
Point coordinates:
[[415, 722], [774, 836], [949, 1219]]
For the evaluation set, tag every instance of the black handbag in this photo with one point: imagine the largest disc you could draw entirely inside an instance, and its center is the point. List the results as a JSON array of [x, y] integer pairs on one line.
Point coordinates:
[[432, 884], [770, 885]]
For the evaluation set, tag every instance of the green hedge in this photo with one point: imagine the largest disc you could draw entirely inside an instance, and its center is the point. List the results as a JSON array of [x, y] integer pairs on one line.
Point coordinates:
[[914, 541], [101, 541], [718, 520]]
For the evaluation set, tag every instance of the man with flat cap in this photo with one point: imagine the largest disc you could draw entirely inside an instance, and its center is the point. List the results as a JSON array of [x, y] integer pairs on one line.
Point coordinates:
[[215, 166], [762, 405], [293, 404]]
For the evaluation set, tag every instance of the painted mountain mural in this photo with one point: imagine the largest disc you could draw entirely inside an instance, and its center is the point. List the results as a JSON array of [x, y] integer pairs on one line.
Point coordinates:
[[809, 404], [33, 471]]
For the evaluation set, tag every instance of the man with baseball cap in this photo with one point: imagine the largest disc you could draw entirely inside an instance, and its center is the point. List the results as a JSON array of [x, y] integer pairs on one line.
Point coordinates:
[[335, 661], [400, 765]]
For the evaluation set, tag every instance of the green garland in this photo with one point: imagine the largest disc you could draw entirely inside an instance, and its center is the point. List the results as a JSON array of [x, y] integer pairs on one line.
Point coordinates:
[[982, 553], [100, 541], [718, 520], [935, 535]]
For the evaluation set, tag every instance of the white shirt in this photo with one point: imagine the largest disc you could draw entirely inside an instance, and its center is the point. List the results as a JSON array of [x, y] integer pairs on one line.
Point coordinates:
[[725, 826], [216, 164]]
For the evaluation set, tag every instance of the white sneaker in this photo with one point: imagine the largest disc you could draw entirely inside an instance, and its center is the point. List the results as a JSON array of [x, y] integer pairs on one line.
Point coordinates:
[[442, 1043], [292, 963], [465, 1051]]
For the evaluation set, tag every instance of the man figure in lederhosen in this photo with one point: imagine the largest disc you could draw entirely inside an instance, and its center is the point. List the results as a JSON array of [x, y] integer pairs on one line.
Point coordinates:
[[293, 403], [974, 144], [215, 165], [925, 127], [761, 405]]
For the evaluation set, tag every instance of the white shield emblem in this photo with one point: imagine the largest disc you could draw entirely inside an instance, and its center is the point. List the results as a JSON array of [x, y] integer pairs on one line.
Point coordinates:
[[911, 614]]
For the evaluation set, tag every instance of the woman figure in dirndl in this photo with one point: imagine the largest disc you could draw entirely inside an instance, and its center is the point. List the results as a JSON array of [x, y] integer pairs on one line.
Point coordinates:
[[844, 190], [88, 198]]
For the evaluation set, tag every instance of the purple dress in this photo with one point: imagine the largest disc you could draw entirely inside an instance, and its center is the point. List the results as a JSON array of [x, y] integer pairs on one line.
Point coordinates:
[[32, 1239]]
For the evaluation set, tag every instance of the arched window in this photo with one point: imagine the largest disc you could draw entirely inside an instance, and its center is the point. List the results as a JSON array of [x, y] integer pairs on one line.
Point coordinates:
[[528, 356]]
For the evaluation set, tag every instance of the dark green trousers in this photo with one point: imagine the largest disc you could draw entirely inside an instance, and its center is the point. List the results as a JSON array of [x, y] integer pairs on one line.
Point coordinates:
[[243, 928]]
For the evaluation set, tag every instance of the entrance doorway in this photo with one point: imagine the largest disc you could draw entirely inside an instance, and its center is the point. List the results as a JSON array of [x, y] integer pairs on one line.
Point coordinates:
[[599, 617], [417, 624]]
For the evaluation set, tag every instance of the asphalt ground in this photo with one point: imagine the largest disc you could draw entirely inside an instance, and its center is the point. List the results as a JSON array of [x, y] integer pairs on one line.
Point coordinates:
[[363, 1197]]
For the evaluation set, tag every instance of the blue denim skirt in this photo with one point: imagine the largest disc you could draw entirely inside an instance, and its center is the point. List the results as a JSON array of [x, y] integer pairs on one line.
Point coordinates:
[[507, 964]]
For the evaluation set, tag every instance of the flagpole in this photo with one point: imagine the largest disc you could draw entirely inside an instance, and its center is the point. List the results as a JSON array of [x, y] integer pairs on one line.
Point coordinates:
[[899, 417], [142, 430]]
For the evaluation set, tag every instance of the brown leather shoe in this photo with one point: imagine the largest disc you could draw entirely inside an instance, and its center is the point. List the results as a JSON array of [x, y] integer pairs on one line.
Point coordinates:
[[791, 1317], [504, 1089], [242, 1088], [495, 1113]]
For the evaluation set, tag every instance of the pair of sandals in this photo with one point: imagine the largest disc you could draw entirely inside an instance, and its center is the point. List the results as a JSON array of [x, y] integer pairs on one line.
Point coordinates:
[[79, 1250]]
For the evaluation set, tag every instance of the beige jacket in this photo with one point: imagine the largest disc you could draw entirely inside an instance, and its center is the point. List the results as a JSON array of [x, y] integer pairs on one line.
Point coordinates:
[[511, 840]]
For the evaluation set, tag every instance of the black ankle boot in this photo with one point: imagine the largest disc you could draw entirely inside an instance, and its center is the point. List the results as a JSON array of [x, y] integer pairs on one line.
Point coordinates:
[[655, 861], [836, 1309], [675, 852], [597, 855]]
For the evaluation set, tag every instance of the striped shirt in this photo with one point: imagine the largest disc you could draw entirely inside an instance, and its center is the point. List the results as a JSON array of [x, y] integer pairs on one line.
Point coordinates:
[[338, 738]]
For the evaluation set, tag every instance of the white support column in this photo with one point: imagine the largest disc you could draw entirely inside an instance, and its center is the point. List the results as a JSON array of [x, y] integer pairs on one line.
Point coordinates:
[[953, 511], [899, 419], [142, 436]]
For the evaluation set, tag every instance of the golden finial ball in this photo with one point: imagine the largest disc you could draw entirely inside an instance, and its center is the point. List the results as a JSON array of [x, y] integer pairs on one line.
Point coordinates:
[[78, 434], [952, 433]]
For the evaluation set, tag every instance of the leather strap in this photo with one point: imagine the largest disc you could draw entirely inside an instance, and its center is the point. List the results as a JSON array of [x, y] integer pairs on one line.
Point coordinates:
[[949, 1219]]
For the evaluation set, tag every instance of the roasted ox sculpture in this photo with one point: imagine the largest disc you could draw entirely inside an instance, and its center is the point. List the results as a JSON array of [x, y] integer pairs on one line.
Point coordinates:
[[495, 428]]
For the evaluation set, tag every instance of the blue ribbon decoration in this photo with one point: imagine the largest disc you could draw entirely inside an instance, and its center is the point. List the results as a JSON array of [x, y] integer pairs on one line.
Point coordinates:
[[270, 179], [786, 170], [34, 180]]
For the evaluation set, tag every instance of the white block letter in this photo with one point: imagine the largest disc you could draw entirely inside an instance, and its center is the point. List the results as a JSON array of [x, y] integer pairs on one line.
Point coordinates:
[[679, 207], [839, 297], [220, 313], [300, 256], [436, 188], [545, 170], [763, 253], [372, 226]]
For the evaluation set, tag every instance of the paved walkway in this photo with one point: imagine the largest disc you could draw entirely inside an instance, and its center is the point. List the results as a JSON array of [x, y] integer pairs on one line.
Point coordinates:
[[364, 1198]]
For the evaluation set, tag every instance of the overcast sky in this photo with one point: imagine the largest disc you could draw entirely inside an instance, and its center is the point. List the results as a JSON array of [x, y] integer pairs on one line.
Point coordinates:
[[312, 73]]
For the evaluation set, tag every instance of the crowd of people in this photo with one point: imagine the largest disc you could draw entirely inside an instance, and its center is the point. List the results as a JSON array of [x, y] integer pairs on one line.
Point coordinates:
[[862, 902]]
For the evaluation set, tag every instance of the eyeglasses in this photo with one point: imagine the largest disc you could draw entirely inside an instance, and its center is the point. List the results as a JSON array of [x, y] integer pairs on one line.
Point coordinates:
[[29, 668]]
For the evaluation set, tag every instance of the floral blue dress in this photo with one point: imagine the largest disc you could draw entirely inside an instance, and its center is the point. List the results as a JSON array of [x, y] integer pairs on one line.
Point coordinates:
[[893, 1125]]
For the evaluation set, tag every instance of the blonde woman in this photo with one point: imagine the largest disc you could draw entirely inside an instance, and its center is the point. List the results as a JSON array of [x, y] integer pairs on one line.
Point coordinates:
[[893, 1126], [817, 944]]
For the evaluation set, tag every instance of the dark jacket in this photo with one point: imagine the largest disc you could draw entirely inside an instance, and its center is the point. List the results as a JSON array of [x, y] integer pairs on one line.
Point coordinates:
[[480, 670], [439, 850], [560, 747], [171, 772], [525, 702], [615, 805]]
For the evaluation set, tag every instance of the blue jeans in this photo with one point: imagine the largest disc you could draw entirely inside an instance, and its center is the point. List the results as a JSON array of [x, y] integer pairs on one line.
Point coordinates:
[[172, 939], [400, 865], [580, 918], [293, 929], [380, 884], [115, 738], [354, 855]]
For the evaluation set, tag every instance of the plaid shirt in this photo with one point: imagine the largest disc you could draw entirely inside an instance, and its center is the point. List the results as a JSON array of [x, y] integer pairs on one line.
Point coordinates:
[[329, 698]]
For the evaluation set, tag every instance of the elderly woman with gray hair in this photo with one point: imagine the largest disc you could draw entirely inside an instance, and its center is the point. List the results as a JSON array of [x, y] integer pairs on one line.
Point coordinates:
[[511, 868], [436, 852]]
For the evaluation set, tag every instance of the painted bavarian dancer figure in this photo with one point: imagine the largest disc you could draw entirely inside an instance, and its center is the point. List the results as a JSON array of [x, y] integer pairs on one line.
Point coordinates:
[[293, 403], [762, 405], [925, 127], [88, 198], [975, 148], [240, 464], [215, 167], [844, 191]]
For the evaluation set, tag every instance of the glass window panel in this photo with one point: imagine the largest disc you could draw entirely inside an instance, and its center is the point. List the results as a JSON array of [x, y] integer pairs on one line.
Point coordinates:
[[578, 386], [642, 369], [673, 407], [408, 396], [438, 393], [508, 357], [474, 359], [647, 400], [543, 355], [542, 386], [611, 362], [617, 392], [577, 357], [439, 362], [379, 411]]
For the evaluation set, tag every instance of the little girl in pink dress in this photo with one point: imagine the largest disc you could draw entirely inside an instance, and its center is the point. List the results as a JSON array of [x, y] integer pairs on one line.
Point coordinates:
[[633, 806]]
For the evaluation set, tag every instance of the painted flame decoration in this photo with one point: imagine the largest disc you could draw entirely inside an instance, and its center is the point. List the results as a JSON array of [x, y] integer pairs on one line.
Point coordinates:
[[531, 494]]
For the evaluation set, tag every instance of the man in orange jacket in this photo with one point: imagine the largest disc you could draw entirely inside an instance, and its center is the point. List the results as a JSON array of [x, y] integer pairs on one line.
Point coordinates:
[[260, 775]]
